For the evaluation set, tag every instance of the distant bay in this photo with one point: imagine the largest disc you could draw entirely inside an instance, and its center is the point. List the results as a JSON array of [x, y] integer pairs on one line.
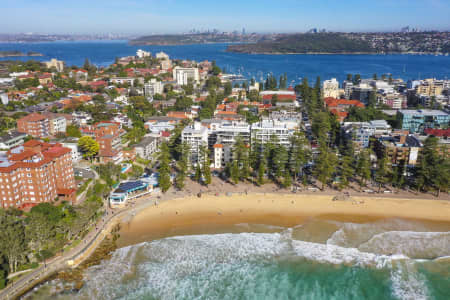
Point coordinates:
[[103, 53]]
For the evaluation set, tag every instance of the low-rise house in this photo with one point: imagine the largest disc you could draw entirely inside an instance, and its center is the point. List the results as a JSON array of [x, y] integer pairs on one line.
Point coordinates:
[[159, 124], [79, 75], [129, 190]]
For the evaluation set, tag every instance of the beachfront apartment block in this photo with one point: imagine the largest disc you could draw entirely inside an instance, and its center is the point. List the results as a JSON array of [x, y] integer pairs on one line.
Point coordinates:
[[223, 136], [196, 136], [36, 172], [185, 75], [360, 132], [399, 148], [416, 121], [266, 131]]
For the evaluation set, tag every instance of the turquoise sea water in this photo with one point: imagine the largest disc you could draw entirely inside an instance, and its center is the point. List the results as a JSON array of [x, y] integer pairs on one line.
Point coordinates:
[[392, 259], [103, 53]]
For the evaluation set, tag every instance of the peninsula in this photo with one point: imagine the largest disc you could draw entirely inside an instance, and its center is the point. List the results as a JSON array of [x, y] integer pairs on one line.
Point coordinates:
[[15, 53], [196, 38], [349, 43]]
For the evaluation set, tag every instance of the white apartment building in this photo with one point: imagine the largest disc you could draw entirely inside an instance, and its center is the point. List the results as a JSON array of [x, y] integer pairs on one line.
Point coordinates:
[[166, 64], [4, 99], [161, 55], [360, 132], [57, 124], [195, 136], [331, 88], [11, 140], [124, 80], [57, 64], [141, 53], [147, 147], [223, 136], [153, 87], [183, 75], [75, 152], [262, 132]]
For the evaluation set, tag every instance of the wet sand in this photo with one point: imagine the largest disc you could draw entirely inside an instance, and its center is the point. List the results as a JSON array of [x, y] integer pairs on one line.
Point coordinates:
[[216, 214]]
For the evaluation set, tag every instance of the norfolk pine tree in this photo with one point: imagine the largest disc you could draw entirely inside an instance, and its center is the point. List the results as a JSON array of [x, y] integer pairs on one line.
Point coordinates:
[[164, 168]]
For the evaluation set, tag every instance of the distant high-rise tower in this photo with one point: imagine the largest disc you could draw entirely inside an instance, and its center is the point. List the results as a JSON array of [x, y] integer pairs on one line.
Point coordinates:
[[243, 31]]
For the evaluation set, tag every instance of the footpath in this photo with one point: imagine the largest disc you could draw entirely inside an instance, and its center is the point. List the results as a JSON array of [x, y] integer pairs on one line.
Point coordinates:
[[70, 259]]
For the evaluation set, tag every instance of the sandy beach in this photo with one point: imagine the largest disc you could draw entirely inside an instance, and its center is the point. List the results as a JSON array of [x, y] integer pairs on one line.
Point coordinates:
[[212, 214]]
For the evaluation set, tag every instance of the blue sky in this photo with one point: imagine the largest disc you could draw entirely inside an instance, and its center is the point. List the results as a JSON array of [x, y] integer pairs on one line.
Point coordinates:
[[173, 16]]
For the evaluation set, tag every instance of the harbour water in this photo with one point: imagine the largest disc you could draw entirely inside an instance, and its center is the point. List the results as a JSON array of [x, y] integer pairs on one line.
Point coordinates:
[[103, 53], [389, 259]]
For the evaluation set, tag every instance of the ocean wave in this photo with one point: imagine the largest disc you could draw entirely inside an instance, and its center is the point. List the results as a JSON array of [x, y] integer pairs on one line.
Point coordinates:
[[352, 235], [417, 245], [190, 267], [408, 283]]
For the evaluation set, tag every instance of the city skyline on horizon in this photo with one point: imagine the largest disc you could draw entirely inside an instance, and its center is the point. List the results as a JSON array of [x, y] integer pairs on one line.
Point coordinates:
[[264, 16]]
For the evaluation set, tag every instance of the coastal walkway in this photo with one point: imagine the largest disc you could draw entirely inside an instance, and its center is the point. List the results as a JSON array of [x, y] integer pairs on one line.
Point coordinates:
[[74, 256]]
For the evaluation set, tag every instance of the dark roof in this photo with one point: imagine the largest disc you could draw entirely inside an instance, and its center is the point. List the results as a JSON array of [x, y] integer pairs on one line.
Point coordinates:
[[145, 141], [127, 186], [11, 135]]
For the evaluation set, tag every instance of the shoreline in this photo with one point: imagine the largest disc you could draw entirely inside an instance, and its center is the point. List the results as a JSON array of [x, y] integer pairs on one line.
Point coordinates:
[[336, 53], [216, 214]]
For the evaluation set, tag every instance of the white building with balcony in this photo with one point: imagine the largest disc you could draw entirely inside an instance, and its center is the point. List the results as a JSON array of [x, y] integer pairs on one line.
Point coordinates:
[[196, 136], [184, 75]]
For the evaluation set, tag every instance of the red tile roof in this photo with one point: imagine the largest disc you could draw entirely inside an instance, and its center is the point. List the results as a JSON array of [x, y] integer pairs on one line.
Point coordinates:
[[333, 102], [438, 132], [33, 117]]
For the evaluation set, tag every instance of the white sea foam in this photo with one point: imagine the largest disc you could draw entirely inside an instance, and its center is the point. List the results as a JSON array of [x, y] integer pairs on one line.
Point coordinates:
[[353, 235], [190, 266], [419, 245], [217, 266], [407, 282]]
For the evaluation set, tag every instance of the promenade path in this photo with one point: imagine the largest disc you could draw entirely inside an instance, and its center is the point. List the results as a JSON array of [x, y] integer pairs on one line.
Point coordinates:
[[75, 256]]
